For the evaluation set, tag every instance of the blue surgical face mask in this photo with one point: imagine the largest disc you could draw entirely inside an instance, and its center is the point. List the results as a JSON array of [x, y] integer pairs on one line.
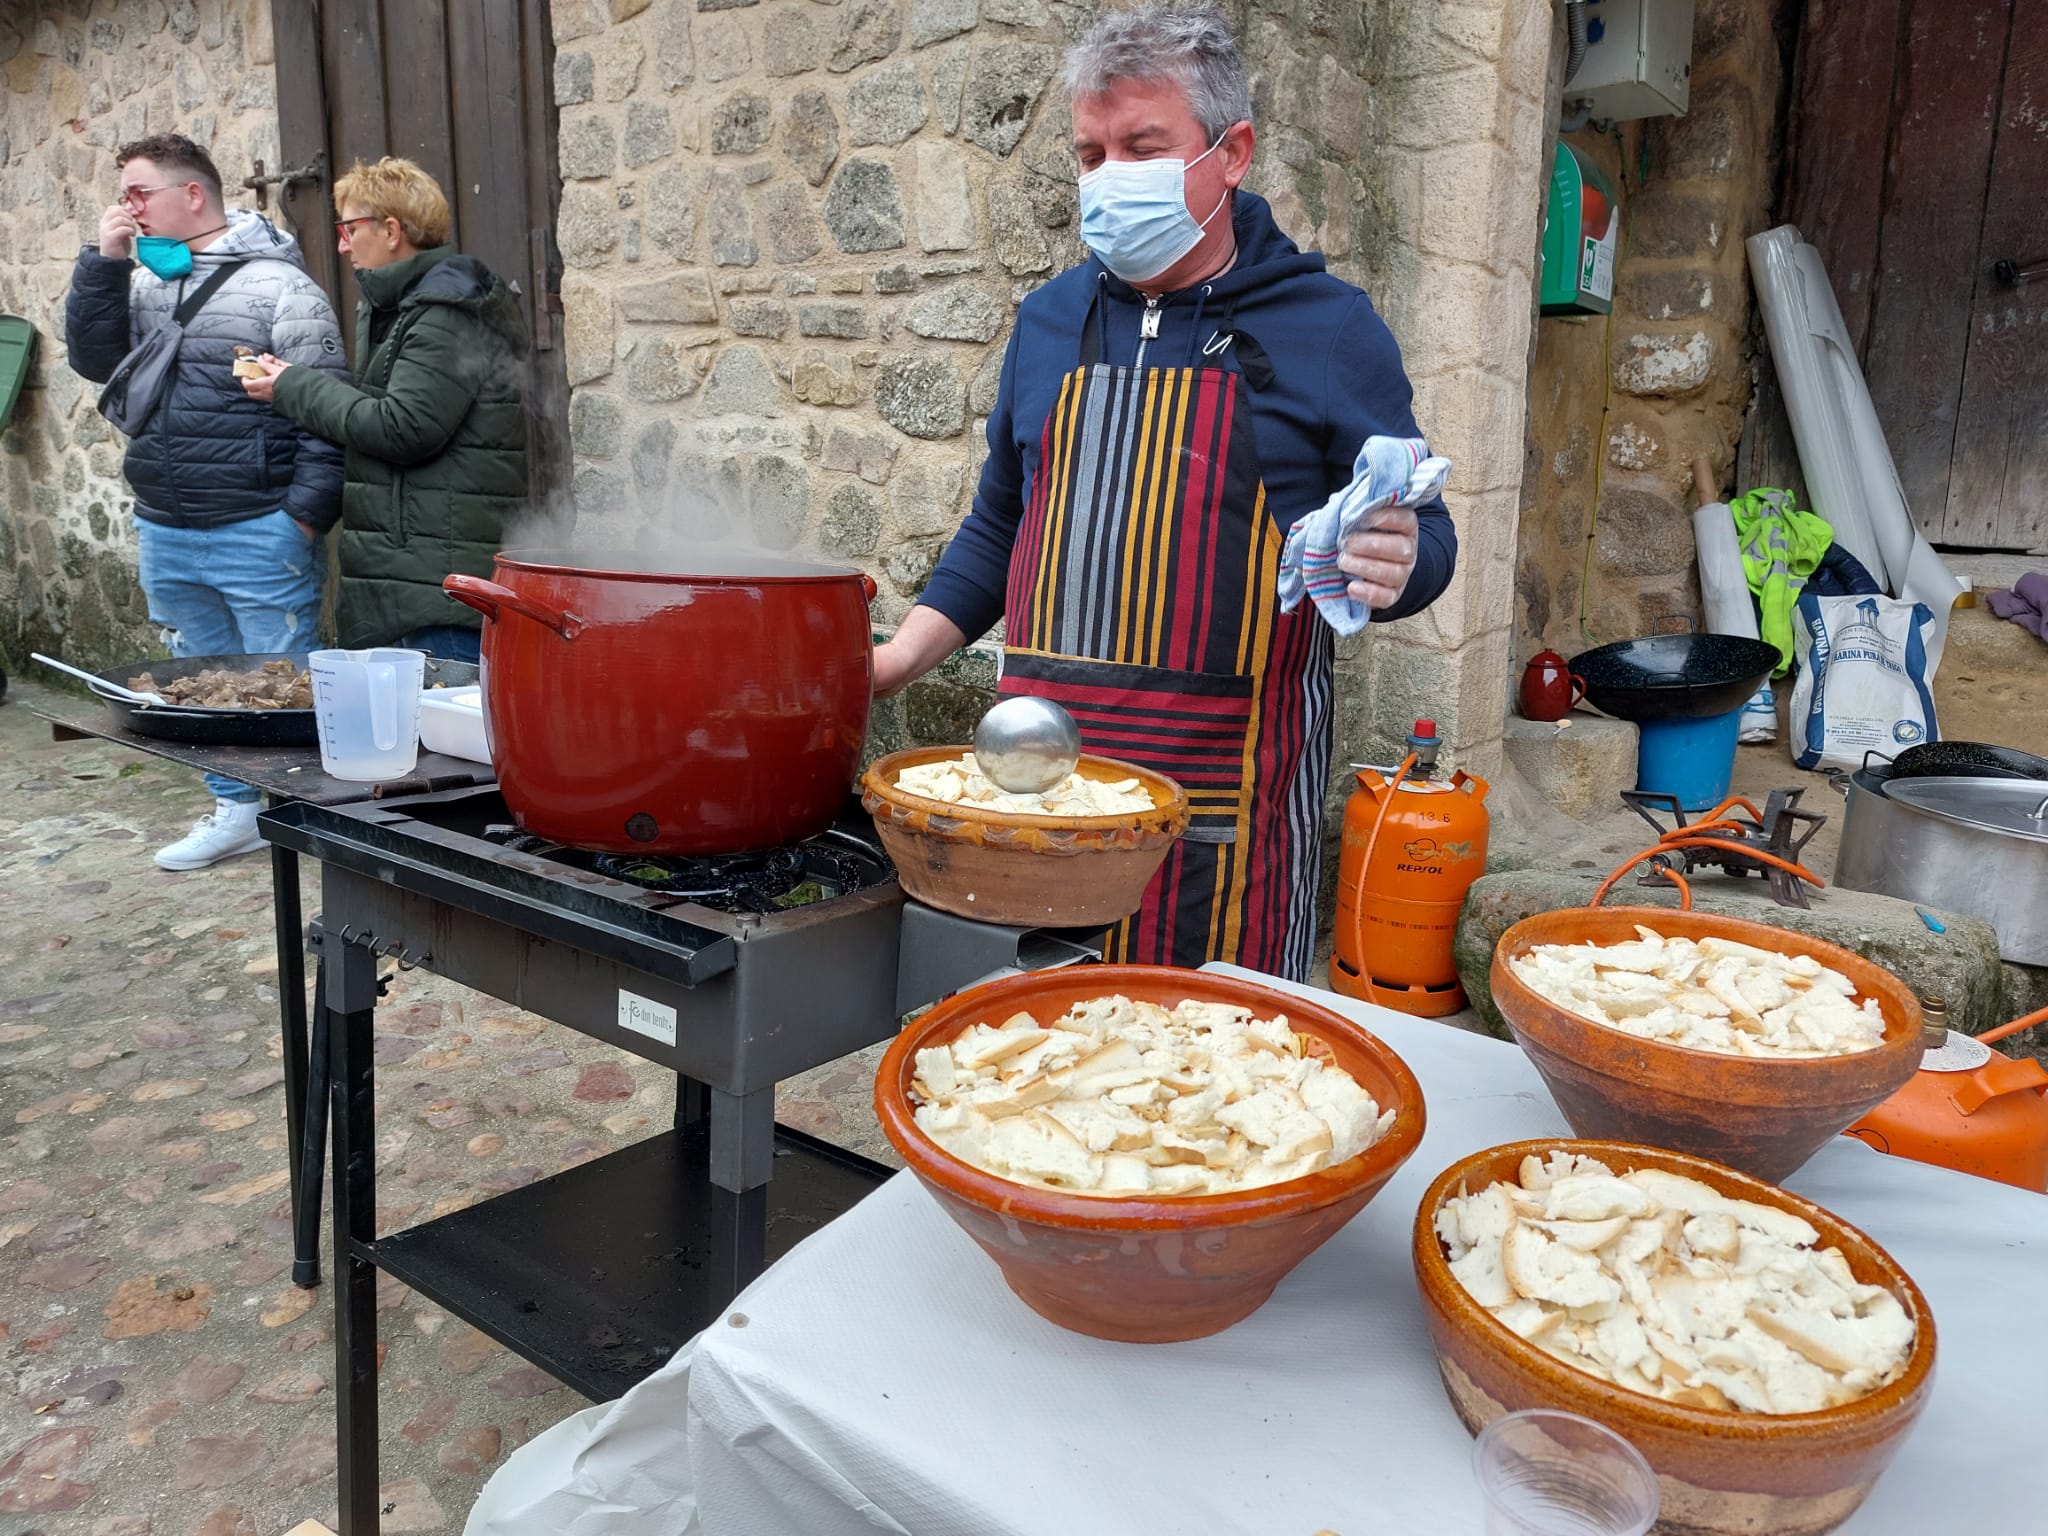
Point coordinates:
[[168, 259], [1134, 215]]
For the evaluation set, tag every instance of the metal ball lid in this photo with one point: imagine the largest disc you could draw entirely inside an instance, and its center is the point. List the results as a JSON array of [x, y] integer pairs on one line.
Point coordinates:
[[1026, 745]]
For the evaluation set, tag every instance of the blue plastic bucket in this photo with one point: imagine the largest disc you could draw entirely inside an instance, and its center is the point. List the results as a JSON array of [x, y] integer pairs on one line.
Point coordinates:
[[1691, 759]]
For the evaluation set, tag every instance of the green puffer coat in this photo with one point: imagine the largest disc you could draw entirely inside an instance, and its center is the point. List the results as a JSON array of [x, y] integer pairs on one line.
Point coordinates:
[[436, 438]]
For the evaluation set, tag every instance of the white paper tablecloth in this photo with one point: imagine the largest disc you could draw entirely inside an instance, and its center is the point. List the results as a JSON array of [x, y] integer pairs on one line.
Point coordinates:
[[886, 1380]]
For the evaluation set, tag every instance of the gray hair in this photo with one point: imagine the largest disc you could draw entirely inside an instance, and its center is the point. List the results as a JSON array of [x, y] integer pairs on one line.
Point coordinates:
[[1192, 46]]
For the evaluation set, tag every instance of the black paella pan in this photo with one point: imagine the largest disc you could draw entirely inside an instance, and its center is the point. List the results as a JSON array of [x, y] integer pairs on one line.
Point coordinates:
[[238, 727]]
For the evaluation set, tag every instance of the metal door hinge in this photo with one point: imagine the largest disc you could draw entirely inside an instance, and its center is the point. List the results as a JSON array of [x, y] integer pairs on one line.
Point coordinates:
[[314, 169]]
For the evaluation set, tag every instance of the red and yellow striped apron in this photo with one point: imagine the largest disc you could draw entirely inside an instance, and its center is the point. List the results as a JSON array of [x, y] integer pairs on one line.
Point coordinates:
[[1142, 597]]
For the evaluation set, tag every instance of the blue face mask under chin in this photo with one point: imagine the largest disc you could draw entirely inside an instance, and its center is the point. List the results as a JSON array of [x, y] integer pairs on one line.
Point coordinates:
[[168, 259], [1134, 215]]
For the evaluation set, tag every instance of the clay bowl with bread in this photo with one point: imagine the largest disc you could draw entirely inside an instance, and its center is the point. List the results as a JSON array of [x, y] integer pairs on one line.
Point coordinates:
[[1011, 867], [1720, 1472], [1160, 1268], [1765, 1116]]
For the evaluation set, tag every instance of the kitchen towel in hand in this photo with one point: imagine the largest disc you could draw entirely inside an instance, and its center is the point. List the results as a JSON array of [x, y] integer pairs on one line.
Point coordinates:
[[1390, 472]]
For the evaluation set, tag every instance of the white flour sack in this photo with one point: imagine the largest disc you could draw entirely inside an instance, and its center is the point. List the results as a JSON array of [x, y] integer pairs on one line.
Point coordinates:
[[1863, 679]]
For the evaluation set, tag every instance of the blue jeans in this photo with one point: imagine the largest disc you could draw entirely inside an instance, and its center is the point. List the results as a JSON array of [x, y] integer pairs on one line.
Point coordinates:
[[450, 642], [244, 588]]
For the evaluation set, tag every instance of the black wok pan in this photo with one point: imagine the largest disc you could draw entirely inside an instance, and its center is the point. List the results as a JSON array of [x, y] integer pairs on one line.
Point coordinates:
[[1674, 677], [235, 727], [1960, 760]]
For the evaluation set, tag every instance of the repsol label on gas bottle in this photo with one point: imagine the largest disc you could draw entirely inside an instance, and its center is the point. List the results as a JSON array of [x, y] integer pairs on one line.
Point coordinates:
[[1427, 856], [644, 1016]]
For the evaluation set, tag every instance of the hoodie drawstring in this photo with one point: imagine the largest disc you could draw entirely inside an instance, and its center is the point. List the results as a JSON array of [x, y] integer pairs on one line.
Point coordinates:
[[1195, 330]]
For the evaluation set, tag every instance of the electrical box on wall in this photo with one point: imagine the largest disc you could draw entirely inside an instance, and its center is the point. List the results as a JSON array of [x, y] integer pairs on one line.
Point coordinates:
[[1580, 231], [1638, 60]]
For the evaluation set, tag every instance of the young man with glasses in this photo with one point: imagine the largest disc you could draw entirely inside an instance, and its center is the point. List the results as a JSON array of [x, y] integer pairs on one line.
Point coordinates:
[[231, 498]]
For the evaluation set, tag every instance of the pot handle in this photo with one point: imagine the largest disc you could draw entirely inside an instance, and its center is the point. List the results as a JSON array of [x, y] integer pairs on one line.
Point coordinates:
[[868, 587], [487, 597], [1578, 689]]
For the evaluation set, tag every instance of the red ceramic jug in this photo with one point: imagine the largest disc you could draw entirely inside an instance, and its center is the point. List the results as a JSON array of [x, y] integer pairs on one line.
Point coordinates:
[[1549, 687]]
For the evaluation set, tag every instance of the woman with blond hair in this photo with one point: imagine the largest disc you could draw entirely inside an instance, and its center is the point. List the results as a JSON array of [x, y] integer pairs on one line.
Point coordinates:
[[433, 425]]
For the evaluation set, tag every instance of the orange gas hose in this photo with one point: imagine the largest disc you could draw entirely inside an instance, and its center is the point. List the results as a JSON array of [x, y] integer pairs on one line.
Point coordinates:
[[1365, 873], [2024, 1021]]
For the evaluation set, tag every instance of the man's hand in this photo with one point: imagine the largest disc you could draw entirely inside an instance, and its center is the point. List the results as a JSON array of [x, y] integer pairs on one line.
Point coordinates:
[[117, 233], [263, 388], [1380, 557], [925, 638]]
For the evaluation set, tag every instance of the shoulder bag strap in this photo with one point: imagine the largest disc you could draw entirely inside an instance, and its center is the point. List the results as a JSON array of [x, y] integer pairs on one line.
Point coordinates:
[[195, 301]]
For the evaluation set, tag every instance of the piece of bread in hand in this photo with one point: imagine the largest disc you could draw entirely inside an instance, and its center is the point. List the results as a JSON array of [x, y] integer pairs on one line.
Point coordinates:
[[246, 364]]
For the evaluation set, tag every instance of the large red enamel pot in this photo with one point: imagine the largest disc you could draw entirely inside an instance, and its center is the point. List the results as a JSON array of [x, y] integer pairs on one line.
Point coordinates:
[[641, 711]]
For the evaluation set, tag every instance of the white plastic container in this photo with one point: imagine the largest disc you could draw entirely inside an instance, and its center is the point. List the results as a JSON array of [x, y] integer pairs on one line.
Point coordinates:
[[452, 723], [367, 705]]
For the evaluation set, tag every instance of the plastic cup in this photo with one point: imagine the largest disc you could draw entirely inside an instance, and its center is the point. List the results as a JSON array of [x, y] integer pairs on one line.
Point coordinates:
[[1549, 1473], [367, 707]]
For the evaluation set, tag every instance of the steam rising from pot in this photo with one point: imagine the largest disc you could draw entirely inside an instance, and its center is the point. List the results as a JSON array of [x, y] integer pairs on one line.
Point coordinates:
[[684, 514]]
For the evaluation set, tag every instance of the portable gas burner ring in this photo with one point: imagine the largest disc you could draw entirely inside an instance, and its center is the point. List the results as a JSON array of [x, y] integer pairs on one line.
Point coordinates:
[[1783, 831], [834, 863]]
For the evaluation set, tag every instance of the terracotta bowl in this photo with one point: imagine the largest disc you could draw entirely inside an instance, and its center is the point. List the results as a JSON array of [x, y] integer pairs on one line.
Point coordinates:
[[1765, 1117], [1148, 1271], [1718, 1473], [1035, 871]]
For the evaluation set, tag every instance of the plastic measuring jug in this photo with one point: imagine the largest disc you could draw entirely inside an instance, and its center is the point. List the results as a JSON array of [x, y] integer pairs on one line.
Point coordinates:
[[367, 705]]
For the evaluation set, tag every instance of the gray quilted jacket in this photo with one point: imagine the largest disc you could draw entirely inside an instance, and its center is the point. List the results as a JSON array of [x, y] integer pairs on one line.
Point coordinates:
[[210, 454]]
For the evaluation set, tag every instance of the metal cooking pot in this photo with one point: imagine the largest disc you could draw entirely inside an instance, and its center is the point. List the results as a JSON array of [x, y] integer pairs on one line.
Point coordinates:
[[1966, 845], [637, 710]]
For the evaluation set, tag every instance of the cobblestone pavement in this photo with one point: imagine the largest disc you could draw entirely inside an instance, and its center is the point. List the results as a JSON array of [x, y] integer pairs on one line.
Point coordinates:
[[161, 1374]]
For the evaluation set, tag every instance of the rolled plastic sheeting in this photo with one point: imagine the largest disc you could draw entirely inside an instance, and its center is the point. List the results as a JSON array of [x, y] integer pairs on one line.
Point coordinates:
[[1730, 609], [1850, 477]]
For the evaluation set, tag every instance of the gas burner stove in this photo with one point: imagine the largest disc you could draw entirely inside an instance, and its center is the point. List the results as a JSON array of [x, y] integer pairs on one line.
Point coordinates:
[[835, 863], [1783, 831]]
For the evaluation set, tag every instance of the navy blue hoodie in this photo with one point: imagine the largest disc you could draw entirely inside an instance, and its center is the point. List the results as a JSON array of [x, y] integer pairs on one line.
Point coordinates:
[[1335, 380]]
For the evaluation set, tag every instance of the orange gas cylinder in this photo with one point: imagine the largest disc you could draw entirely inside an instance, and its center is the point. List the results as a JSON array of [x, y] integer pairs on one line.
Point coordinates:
[[1412, 848], [1969, 1108]]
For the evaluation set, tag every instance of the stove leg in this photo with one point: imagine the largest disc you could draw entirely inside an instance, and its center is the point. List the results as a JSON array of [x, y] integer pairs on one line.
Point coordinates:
[[291, 1014], [742, 1152], [693, 1103], [311, 1149], [351, 1000]]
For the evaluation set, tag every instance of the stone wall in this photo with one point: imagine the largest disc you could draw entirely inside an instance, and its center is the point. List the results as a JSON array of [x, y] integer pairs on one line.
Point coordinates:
[[1465, 104], [83, 77], [1619, 406]]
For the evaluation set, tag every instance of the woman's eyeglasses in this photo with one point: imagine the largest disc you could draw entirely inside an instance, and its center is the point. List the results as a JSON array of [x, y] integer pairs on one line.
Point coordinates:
[[344, 227]]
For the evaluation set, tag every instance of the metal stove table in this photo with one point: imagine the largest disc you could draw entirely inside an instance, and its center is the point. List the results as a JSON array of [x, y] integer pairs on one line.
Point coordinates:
[[603, 1271]]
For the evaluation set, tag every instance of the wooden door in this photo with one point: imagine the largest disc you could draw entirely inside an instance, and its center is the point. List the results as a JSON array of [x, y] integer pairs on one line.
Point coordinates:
[[462, 87], [1918, 162]]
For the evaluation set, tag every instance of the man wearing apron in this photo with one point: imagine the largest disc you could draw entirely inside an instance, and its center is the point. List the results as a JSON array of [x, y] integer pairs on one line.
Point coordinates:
[[1166, 412]]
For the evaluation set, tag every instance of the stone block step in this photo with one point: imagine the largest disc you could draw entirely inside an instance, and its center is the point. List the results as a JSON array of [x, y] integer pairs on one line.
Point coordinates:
[[1580, 769]]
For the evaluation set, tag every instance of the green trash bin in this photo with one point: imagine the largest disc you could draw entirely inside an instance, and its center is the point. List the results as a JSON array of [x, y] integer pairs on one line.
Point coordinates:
[[17, 347]]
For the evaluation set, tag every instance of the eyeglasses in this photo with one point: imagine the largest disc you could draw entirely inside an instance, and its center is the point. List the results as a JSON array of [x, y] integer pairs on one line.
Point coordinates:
[[135, 197], [341, 226]]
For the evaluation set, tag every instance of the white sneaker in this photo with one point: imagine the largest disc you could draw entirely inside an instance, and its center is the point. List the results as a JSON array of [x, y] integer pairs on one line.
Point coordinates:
[[230, 830]]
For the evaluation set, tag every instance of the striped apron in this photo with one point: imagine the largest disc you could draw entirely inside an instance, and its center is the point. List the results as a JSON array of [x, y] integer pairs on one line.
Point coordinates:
[[1142, 597]]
